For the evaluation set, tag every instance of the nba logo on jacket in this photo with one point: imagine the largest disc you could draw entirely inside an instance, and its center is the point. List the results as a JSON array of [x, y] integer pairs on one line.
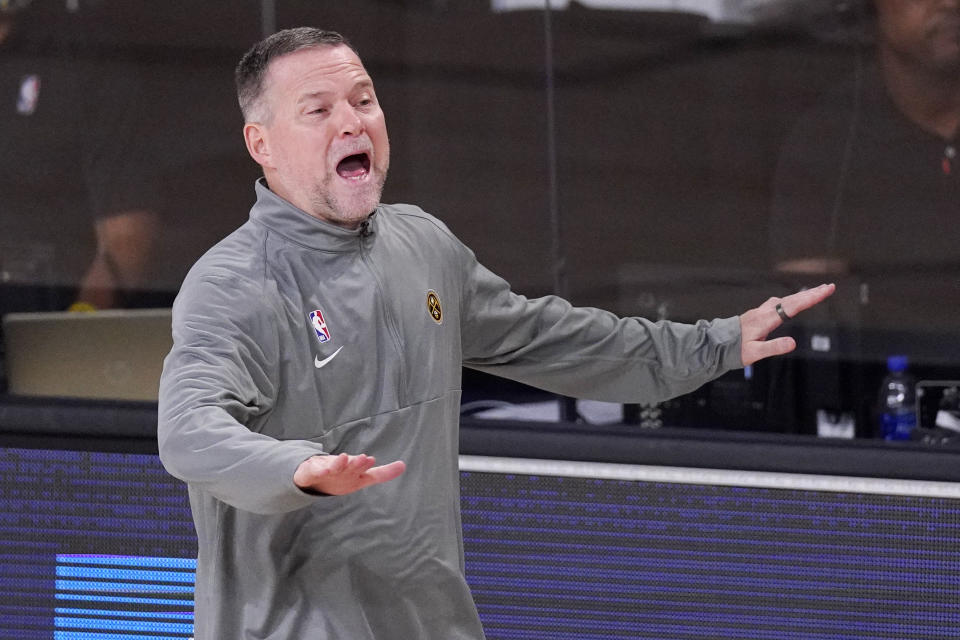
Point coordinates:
[[319, 325]]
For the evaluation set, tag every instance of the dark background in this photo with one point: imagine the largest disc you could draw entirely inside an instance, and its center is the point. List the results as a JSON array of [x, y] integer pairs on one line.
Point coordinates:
[[663, 130]]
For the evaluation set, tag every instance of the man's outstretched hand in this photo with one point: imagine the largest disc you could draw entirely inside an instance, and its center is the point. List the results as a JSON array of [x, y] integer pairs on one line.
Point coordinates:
[[341, 474], [756, 324]]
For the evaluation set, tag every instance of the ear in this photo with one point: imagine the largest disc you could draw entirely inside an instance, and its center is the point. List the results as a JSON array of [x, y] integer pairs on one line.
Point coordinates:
[[255, 136]]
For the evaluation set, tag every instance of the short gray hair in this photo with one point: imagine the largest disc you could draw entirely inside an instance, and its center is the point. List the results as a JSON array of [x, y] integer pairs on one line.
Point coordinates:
[[251, 72]]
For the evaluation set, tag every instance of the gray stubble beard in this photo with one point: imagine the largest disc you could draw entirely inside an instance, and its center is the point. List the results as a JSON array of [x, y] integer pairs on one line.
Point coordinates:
[[324, 200]]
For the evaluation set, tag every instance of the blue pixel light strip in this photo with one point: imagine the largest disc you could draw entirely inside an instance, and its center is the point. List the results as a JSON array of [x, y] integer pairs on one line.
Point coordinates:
[[189, 564], [103, 588]]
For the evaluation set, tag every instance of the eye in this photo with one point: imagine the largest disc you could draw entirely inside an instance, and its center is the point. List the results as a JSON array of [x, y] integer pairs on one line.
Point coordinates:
[[319, 110]]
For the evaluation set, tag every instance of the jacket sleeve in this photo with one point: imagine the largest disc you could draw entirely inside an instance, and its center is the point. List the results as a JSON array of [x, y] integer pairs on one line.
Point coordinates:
[[585, 352], [218, 383]]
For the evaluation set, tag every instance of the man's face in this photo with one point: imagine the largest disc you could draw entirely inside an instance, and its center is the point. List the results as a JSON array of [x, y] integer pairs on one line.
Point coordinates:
[[924, 32], [326, 135]]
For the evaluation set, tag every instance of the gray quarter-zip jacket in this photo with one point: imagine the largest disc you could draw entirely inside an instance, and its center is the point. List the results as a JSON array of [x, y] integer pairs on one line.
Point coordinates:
[[293, 338]]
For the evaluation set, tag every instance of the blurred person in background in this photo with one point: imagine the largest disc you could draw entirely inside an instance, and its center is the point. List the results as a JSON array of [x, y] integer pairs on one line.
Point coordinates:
[[78, 194], [79, 199], [868, 184]]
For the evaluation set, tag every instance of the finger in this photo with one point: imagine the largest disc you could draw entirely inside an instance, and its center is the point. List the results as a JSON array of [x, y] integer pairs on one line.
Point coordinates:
[[756, 324], [386, 473], [760, 349], [338, 463], [803, 300], [344, 483], [359, 464]]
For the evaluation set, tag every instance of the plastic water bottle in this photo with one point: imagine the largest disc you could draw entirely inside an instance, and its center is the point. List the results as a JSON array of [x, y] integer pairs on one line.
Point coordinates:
[[898, 403]]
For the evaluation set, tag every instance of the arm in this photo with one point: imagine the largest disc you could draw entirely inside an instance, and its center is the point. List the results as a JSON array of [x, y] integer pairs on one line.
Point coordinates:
[[124, 250], [583, 352], [122, 171], [218, 386], [217, 389]]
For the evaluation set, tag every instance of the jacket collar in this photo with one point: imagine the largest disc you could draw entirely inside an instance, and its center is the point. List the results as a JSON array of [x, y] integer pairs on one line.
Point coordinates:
[[297, 225]]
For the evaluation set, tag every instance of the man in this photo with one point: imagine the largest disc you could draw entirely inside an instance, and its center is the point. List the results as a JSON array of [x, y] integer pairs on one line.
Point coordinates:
[[330, 329], [73, 160], [868, 182]]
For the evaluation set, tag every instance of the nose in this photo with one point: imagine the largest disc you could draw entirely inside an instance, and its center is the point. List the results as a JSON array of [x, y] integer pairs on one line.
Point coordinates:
[[347, 121]]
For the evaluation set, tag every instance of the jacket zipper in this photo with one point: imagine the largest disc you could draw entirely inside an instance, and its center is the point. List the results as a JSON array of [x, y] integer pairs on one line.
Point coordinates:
[[392, 326]]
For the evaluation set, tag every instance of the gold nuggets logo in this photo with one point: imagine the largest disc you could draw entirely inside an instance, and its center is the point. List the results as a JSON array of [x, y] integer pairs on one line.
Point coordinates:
[[433, 306]]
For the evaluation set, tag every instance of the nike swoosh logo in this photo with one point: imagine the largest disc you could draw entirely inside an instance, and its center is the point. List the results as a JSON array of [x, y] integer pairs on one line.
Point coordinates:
[[319, 364]]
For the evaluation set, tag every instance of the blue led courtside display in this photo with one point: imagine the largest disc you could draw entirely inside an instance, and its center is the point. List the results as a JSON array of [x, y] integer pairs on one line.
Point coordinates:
[[101, 546]]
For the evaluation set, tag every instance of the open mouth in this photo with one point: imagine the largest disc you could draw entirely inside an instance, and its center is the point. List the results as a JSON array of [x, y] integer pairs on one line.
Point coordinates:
[[354, 167]]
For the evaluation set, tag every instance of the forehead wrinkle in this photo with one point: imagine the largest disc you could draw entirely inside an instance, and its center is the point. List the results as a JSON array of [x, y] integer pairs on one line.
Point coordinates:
[[301, 67], [365, 83], [296, 73]]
